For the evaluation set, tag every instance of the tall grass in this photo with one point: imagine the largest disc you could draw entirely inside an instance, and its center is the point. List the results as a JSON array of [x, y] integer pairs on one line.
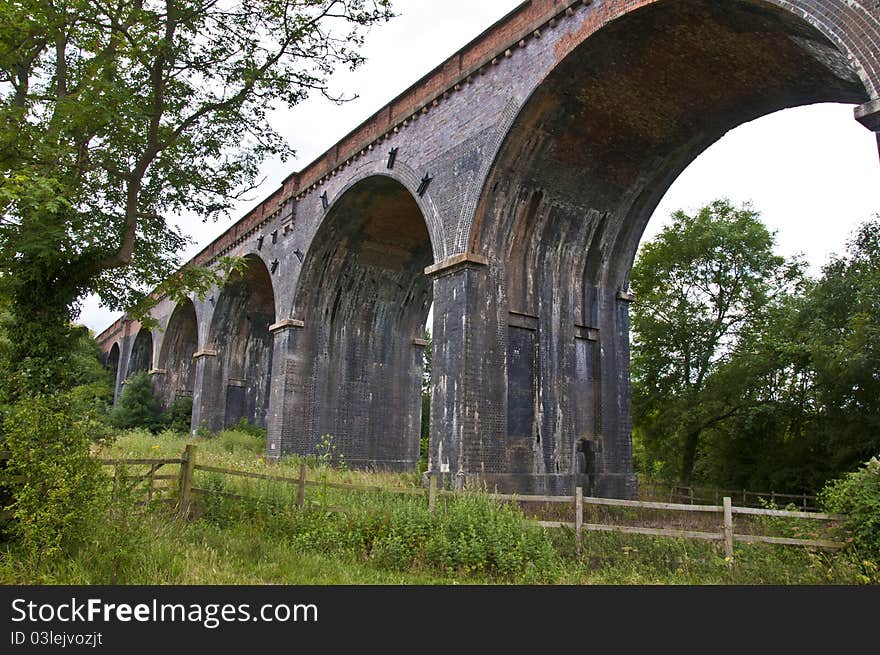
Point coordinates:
[[380, 538]]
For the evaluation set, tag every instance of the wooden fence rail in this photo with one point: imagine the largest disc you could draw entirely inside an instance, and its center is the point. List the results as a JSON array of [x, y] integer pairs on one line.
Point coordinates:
[[726, 534], [692, 495]]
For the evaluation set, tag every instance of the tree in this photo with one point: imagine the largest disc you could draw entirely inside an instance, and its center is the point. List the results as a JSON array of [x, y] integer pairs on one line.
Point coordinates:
[[115, 115], [819, 382], [138, 406], [840, 332], [700, 284]]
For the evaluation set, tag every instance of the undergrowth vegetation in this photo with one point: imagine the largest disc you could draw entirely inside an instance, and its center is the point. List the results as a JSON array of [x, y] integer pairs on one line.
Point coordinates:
[[379, 538]]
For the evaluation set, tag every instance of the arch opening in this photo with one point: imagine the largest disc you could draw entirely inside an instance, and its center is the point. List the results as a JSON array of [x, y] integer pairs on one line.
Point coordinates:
[[364, 299], [577, 178], [239, 333], [176, 357], [111, 361], [141, 358]]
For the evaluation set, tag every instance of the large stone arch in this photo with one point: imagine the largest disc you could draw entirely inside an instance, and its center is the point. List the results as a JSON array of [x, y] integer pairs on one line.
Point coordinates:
[[111, 363], [111, 360], [640, 90], [141, 356], [179, 344], [360, 305], [238, 368]]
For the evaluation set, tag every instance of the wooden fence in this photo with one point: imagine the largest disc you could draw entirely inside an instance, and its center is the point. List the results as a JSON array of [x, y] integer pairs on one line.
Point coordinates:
[[184, 490], [710, 495]]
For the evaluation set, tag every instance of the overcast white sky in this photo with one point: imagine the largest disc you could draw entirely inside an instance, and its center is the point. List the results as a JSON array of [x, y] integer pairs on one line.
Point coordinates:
[[813, 172]]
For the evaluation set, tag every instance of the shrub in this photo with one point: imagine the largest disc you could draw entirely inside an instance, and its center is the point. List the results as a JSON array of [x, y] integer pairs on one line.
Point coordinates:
[[474, 534], [857, 495], [138, 407], [179, 416], [235, 440], [247, 427], [60, 484]]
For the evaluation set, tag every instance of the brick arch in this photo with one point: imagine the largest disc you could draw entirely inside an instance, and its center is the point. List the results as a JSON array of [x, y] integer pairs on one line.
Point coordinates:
[[363, 300], [141, 356], [852, 26], [845, 28], [407, 178], [111, 360], [638, 91], [239, 372], [179, 344]]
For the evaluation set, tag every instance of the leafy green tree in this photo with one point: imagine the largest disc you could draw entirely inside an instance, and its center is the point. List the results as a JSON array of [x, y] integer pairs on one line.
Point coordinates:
[[840, 330], [700, 284], [817, 359], [55, 483], [138, 406], [116, 115]]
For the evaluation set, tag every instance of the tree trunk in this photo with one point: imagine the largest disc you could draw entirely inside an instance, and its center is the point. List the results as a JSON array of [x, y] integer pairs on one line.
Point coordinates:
[[689, 457], [40, 337]]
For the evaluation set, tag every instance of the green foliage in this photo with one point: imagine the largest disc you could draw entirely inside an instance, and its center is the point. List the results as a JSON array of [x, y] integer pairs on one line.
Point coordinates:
[[810, 365], [249, 428], [475, 534], [178, 417], [328, 454], [857, 496], [699, 285], [152, 112], [381, 539], [839, 337], [745, 373], [469, 536], [237, 440], [61, 486], [112, 118], [138, 405]]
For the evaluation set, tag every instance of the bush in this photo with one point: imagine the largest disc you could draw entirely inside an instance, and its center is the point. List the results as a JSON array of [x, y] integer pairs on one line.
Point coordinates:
[[235, 440], [245, 426], [857, 495], [138, 407], [179, 416], [60, 483], [474, 534]]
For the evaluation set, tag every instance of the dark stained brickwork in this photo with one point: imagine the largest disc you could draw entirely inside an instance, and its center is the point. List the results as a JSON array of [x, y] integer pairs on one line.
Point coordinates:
[[548, 141]]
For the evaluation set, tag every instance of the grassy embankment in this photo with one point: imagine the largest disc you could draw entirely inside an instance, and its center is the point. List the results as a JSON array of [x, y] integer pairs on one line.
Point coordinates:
[[382, 538]]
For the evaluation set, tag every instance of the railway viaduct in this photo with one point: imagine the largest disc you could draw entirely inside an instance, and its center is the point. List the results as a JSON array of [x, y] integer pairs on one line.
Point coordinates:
[[509, 187]]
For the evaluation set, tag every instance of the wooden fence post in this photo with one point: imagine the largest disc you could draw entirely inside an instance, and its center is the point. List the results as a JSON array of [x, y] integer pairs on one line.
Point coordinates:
[[115, 480], [301, 487], [186, 477], [579, 518], [728, 531], [432, 493]]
